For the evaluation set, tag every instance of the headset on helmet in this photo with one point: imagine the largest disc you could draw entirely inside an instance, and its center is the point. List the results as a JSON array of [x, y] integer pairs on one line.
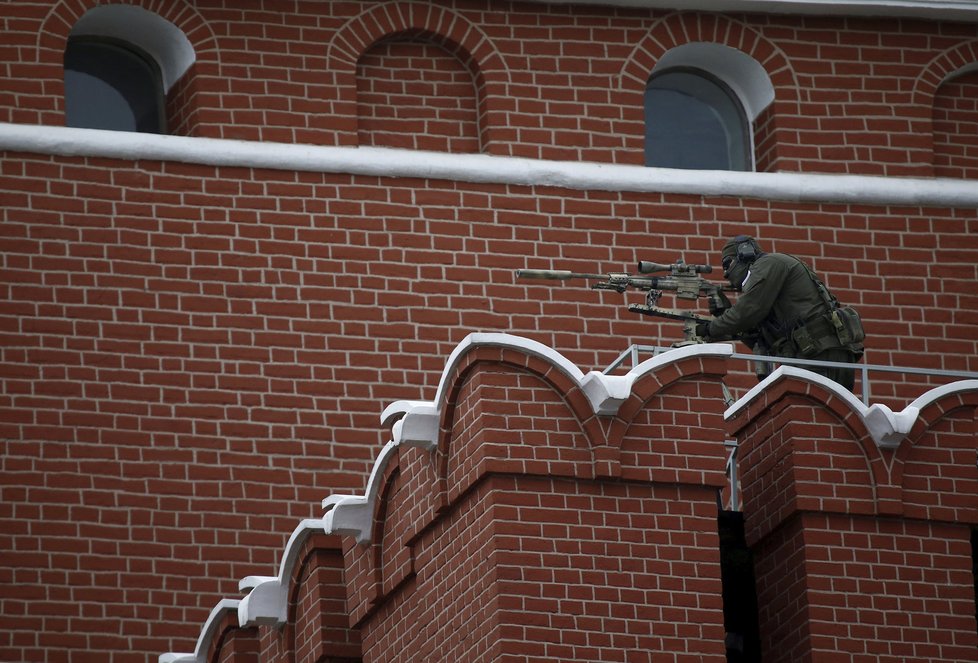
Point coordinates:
[[746, 250], [746, 253]]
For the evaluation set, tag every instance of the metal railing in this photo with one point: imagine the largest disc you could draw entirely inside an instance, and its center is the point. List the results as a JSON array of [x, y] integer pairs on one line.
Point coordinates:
[[633, 351]]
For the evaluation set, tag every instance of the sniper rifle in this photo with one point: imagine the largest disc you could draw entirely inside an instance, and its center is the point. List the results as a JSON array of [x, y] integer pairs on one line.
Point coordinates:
[[682, 279]]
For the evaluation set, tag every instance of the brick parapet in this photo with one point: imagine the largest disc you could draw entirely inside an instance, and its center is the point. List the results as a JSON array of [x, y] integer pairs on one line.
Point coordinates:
[[606, 570], [807, 444], [525, 473], [298, 615], [509, 407], [525, 491], [317, 628], [861, 531]]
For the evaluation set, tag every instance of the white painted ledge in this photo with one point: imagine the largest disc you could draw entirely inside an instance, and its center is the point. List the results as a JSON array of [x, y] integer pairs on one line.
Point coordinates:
[[938, 10], [416, 423], [886, 427], [207, 634], [353, 515], [482, 168], [608, 392], [605, 392], [267, 601]]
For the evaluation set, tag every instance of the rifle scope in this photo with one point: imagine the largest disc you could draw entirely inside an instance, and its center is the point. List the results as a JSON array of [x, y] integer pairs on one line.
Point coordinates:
[[646, 267]]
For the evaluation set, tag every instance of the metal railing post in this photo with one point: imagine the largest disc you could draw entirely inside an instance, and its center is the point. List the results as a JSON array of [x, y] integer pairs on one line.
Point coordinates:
[[732, 477]]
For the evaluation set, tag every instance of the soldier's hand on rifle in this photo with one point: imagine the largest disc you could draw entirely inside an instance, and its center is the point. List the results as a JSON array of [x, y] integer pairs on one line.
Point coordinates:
[[703, 330], [718, 304]]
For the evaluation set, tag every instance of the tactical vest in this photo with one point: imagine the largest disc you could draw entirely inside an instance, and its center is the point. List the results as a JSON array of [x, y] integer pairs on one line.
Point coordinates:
[[838, 327]]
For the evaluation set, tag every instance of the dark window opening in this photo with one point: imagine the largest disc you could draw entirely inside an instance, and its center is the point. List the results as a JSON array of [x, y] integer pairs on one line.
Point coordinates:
[[112, 85], [743, 640], [694, 120]]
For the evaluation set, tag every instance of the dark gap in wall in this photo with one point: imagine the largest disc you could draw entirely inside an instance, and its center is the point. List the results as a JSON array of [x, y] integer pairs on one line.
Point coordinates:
[[743, 639]]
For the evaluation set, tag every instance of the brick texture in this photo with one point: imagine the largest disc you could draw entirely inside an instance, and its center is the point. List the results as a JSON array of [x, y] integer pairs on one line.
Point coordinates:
[[192, 357], [955, 128], [414, 94], [862, 553], [531, 557], [852, 95]]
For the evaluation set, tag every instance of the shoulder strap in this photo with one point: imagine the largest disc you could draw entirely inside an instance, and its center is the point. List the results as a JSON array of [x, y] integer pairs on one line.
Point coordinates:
[[823, 292]]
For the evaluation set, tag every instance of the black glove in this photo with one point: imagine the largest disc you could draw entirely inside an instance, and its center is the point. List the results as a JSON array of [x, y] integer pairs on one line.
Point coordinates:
[[703, 329], [719, 304]]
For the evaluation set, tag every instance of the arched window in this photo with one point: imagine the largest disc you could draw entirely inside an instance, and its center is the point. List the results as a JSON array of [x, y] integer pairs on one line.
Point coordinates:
[[701, 103], [112, 85], [120, 63], [694, 120]]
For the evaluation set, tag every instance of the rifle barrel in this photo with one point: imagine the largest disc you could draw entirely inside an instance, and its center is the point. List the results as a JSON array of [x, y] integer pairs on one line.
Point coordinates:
[[555, 274]]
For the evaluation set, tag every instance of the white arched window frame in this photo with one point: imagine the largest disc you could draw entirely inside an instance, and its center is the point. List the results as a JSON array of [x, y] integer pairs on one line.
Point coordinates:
[[739, 74], [137, 34]]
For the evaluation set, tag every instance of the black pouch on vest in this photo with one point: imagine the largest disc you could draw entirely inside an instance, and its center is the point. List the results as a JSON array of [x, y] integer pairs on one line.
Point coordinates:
[[848, 326]]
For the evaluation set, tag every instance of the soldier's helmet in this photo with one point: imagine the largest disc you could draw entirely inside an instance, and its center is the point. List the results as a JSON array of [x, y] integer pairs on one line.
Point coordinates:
[[738, 255], [742, 247]]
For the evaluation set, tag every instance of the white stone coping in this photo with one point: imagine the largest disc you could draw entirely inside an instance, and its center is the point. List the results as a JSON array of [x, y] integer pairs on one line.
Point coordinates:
[[352, 515], [416, 423], [206, 637], [606, 393], [267, 602], [483, 168], [961, 10], [413, 423], [886, 427]]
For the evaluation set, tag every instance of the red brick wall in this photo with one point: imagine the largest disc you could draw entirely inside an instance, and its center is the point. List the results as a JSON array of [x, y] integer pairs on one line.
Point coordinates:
[[530, 557], [416, 95], [860, 551], [183, 106], [194, 357], [783, 606], [900, 588], [609, 572], [318, 627], [956, 128], [554, 82], [864, 589], [446, 606], [236, 645]]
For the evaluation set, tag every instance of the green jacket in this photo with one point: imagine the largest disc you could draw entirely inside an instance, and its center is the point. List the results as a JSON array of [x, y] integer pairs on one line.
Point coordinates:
[[778, 295]]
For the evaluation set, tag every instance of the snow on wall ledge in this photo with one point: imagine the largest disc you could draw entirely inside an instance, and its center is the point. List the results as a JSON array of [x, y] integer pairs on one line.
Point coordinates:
[[482, 168]]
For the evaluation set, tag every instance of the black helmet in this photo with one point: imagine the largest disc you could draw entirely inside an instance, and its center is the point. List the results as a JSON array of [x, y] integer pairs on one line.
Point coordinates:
[[742, 247]]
